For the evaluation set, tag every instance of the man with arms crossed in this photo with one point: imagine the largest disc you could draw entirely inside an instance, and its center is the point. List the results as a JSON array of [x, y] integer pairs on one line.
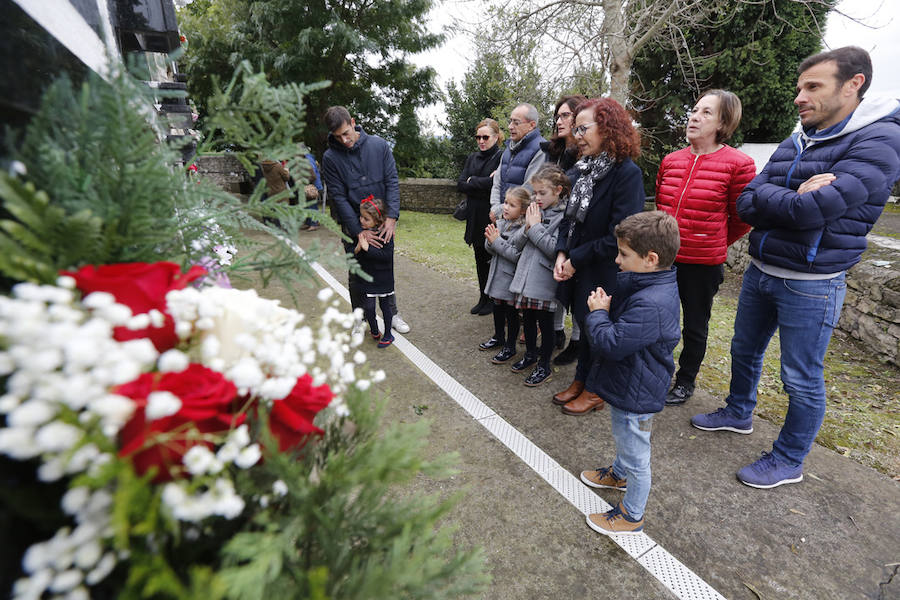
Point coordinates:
[[811, 208]]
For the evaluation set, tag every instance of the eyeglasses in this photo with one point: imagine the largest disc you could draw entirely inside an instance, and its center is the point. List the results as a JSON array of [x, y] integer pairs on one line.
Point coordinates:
[[517, 122], [564, 115], [482, 138], [582, 129]]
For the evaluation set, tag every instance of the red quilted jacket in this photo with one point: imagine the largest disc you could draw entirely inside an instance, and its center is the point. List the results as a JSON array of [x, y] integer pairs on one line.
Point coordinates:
[[700, 192]]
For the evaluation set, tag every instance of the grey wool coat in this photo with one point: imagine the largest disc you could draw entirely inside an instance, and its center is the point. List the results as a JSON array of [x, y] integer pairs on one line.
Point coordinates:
[[505, 250], [534, 273]]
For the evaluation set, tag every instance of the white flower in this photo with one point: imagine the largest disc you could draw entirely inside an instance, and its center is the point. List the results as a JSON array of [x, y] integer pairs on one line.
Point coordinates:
[[248, 457], [18, 443], [240, 436], [75, 499], [198, 459], [279, 488], [79, 593], [228, 452], [37, 557], [157, 319], [66, 282], [183, 329], [362, 384], [65, 581], [103, 568], [96, 300], [52, 470], [173, 494], [161, 404], [86, 456], [87, 555], [141, 321], [325, 294], [31, 414], [173, 361], [359, 358], [8, 402], [276, 388], [378, 376], [210, 347], [113, 410], [58, 436], [246, 373], [7, 365], [117, 314]]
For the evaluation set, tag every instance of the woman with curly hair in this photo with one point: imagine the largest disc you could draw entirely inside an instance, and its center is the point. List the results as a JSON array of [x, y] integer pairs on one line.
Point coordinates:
[[608, 189]]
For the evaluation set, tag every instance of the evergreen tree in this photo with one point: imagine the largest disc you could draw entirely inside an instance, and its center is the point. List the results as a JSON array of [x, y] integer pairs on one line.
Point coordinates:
[[361, 47], [753, 51]]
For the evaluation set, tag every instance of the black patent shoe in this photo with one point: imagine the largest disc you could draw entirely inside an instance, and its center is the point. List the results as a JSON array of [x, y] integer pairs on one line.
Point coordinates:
[[679, 394], [490, 344], [567, 356], [523, 364], [539, 376], [503, 356]]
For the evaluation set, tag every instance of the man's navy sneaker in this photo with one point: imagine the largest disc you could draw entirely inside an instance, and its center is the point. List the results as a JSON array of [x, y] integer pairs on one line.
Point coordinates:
[[721, 420], [768, 472]]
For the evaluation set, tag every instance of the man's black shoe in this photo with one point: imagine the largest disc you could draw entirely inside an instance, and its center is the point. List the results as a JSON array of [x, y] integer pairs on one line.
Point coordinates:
[[679, 394]]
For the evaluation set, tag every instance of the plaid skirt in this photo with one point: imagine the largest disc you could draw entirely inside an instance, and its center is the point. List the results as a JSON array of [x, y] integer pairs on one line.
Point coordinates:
[[523, 303]]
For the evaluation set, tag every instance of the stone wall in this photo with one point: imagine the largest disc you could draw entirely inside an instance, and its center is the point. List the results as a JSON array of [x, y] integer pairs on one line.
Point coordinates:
[[429, 195], [226, 172], [871, 312]]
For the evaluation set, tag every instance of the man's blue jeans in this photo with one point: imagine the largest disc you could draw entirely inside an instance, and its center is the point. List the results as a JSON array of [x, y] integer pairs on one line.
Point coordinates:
[[805, 313], [631, 432]]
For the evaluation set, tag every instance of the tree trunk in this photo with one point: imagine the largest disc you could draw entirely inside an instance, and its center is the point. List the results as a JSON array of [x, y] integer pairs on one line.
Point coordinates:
[[619, 54]]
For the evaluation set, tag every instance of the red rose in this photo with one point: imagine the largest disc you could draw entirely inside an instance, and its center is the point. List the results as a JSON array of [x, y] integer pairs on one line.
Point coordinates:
[[291, 420], [208, 404], [142, 287]]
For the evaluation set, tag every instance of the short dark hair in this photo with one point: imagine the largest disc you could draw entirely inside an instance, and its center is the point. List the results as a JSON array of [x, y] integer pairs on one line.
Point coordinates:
[[729, 113], [555, 176], [651, 231], [336, 116], [850, 61]]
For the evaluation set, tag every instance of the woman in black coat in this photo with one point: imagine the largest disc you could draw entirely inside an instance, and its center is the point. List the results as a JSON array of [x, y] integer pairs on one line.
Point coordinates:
[[609, 187], [475, 182]]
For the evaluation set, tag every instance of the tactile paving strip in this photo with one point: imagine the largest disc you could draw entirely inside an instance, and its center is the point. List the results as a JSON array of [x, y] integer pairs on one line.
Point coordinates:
[[680, 580]]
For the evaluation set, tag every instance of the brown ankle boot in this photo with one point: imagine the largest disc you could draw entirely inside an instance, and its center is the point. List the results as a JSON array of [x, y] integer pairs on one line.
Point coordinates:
[[583, 404], [570, 393]]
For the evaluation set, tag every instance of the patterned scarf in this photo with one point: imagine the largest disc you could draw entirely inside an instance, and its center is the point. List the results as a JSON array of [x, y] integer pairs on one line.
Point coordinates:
[[592, 170]]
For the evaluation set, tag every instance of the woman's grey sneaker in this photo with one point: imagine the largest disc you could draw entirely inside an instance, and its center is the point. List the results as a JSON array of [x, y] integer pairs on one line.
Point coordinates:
[[399, 325], [679, 394], [769, 472], [721, 420]]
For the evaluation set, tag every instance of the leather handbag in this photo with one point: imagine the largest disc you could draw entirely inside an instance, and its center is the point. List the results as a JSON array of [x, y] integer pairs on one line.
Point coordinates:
[[462, 210]]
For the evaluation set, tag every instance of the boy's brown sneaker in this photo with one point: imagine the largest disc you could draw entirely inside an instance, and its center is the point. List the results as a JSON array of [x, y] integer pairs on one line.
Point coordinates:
[[603, 478], [615, 522]]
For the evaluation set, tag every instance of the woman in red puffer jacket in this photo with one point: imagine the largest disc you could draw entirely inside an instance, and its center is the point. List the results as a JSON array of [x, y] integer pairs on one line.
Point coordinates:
[[699, 185]]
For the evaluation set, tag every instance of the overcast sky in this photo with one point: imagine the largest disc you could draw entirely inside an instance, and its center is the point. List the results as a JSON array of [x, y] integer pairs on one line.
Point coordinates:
[[881, 39]]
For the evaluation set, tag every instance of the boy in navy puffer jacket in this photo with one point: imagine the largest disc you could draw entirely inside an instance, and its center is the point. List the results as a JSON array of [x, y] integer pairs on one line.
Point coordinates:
[[632, 337]]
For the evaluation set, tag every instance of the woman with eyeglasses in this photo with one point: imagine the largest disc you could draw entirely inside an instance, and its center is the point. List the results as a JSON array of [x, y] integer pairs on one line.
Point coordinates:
[[475, 182], [699, 186], [608, 189], [561, 151]]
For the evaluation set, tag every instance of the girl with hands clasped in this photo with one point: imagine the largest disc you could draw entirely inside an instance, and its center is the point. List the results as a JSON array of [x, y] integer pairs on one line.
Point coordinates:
[[502, 242], [533, 284], [378, 262]]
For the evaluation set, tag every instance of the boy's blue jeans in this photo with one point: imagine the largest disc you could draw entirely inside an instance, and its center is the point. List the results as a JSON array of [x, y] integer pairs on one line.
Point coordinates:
[[805, 313], [631, 432]]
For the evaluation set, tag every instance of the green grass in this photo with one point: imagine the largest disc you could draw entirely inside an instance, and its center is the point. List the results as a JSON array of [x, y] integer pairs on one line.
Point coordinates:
[[437, 241], [863, 417]]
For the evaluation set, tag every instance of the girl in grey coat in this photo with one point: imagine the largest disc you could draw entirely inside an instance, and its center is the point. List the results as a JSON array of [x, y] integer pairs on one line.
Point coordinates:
[[502, 241], [533, 283]]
